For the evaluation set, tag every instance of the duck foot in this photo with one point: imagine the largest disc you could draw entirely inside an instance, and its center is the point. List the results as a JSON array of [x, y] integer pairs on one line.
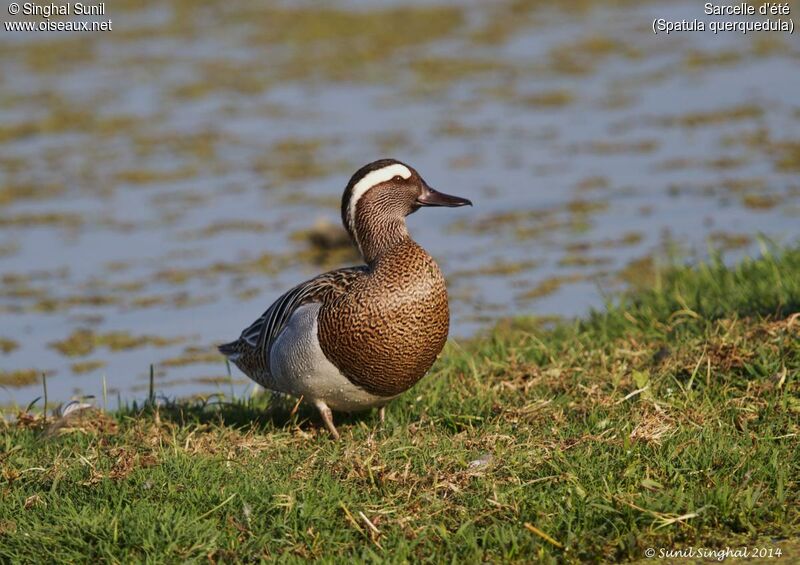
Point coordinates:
[[327, 417]]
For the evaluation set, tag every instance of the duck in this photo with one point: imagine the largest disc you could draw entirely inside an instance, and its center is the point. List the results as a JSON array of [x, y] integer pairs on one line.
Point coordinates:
[[355, 338]]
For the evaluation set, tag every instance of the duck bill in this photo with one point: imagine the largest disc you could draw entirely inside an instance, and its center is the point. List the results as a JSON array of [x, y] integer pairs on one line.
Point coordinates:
[[431, 197]]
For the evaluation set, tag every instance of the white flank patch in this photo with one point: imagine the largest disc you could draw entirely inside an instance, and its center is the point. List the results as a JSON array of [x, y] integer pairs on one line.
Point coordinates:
[[372, 179]]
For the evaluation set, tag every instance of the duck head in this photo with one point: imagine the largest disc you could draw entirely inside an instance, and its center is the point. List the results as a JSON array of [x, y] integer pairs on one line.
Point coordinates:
[[378, 198]]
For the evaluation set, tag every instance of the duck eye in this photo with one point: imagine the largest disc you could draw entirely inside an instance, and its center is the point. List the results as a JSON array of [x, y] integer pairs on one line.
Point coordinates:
[[397, 178]]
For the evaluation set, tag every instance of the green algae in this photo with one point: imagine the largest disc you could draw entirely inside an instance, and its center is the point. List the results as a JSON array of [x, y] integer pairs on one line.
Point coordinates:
[[84, 341], [497, 268], [627, 239], [641, 272], [432, 71], [582, 260], [549, 99], [761, 201], [724, 240], [296, 159], [582, 56], [742, 112], [591, 183], [226, 226], [263, 264], [7, 345], [324, 236], [56, 219], [695, 59], [20, 378], [298, 198], [145, 176], [391, 142], [193, 356], [49, 304], [606, 147], [12, 192], [788, 156], [84, 367], [551, 285], [584, 206]]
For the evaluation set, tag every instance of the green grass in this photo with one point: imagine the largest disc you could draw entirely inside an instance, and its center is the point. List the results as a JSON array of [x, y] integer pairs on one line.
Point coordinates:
[[669, 420]]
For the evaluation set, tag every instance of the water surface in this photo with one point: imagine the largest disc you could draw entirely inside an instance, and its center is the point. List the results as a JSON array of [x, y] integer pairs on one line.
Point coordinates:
[[158, 182]]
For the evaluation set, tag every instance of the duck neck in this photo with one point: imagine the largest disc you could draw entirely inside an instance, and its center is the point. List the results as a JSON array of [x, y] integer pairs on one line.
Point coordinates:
[[375, 237]]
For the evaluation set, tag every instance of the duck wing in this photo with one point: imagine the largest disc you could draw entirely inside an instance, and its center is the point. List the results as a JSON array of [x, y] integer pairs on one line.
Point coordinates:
[[251, 351]]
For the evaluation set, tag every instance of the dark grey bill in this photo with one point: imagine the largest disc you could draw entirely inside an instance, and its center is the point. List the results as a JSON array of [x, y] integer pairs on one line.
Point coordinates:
[[431, 197]]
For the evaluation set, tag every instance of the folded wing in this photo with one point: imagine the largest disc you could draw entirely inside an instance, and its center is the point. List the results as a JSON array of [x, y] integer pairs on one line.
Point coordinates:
[[251, 351]]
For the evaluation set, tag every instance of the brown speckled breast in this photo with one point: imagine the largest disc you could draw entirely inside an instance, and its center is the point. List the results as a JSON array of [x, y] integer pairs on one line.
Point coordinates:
[[385, 333]]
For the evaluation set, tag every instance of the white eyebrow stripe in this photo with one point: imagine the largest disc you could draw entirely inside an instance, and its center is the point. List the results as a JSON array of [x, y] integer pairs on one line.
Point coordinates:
[[374, 178]]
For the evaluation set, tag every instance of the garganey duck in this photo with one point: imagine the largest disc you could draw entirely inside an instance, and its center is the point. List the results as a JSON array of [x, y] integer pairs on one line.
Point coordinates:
[[355, 338]]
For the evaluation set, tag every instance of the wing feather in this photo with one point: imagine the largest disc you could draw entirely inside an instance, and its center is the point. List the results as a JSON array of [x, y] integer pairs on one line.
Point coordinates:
[[258, 337]]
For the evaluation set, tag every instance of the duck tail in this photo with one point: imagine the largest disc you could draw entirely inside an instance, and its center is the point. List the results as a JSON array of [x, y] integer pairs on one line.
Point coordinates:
[[230, 350]]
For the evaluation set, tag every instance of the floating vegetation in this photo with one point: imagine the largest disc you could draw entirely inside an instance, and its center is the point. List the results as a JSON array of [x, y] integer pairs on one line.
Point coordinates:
[[454, 128], [501, 221], [200, 146], [10, 192], [593, 183], [217, 380], [726, 162], [299, 198], [247, 293], [640, 273], [583, 206], [338, 44], [497, 268], [145, 176], [701, 59], [326, 244], [435, 71], [193, 356], [20, 377], [626, 240], [584, 55], [761, 201], [295, 159], [715, 117], [87, 366], [788, 156], [580, 260], [728, 240], [549, 99], [49, 304], [9, 248], [265, 264], [227, 226], [84, 341], [552, 284], [68, 50], [324, 236], [7, 345], [619, 147], [389, 143], [57, 219]]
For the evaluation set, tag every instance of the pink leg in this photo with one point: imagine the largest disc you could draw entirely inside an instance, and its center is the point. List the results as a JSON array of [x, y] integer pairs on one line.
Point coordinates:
[[327, 417]]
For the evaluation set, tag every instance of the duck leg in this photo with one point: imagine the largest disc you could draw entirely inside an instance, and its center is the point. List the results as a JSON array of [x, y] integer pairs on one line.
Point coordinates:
[[327, 417], [382, 414]]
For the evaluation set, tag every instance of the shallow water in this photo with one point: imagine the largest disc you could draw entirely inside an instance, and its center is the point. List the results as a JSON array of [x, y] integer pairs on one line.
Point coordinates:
[[157, 182]]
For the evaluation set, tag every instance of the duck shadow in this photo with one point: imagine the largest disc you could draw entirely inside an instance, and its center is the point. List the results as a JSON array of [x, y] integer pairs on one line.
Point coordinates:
[[273, 414]]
